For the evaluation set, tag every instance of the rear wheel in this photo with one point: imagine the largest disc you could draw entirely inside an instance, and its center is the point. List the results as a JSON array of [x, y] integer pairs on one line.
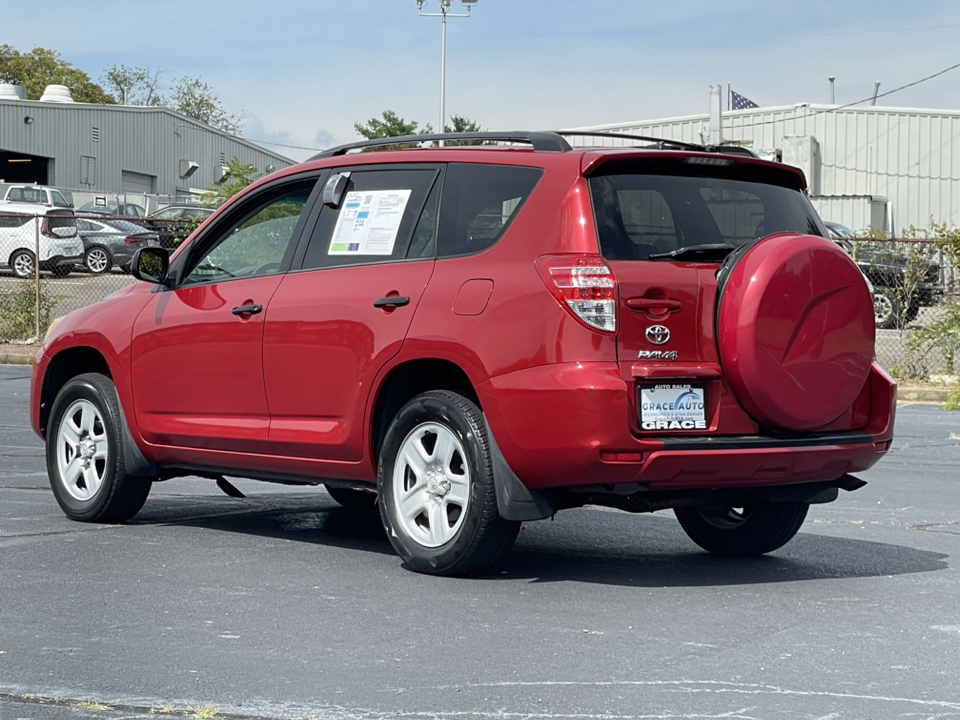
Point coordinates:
[[752, 527], [353, 499], [97, 259], [85, 454], [22, 263], [436, 491]]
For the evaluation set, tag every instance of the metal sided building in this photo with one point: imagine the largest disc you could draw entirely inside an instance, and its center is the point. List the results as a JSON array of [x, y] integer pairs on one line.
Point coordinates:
[[113, 149], [881, 167]]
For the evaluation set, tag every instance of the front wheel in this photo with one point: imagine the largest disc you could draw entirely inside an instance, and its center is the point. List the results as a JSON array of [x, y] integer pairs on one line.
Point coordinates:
[[751, 527], [85, 454], [887, 308], [437, 497], [22, 263]]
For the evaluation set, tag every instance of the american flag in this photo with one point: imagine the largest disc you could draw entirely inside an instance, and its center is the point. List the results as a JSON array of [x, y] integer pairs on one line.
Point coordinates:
[[740, 102]]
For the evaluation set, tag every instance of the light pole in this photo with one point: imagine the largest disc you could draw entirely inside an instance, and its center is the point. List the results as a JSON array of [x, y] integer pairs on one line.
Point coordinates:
[[443, 15]]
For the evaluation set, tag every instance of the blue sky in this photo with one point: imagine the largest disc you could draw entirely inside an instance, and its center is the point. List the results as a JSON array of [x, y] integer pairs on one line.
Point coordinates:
[[303, 73]]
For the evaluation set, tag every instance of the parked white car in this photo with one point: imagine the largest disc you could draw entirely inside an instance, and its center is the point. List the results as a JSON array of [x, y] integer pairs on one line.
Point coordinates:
[[26, 228], [34, 194]]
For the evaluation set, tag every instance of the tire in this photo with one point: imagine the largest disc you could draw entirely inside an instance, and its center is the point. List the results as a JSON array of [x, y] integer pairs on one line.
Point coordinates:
[[755, 527], [353, 499], [22, 263], [911, 314], [62, 271], [435, 487], [85, 454], [97, 260], [886, 308]]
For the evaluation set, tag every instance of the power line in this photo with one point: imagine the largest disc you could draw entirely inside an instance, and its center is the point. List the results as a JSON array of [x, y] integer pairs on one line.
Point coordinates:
[[843, 107]]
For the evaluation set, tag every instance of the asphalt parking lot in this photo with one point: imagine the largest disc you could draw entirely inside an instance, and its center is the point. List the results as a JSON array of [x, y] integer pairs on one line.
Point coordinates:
[[284, 605]]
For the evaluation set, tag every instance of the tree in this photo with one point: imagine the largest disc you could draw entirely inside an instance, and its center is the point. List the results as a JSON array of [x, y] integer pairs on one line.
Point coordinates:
[[134, 85], [194, 98], [392, 125], [238, 177], [462, 124], [41, 67]]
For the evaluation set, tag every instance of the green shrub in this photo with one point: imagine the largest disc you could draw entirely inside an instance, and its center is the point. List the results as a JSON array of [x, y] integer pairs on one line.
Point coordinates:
[[18, 310]]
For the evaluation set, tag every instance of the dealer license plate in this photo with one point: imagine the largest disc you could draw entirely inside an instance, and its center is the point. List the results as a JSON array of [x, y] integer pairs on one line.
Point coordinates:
[[673, 407]]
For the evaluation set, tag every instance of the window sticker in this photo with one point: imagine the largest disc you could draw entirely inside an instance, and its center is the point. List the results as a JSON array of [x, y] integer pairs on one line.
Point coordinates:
[[369, 222]]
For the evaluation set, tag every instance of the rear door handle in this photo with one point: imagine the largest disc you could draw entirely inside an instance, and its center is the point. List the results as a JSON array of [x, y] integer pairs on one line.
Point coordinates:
[[247, 309], [392, 301]]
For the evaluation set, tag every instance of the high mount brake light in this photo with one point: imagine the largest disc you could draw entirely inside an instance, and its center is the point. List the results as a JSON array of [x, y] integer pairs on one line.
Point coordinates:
[[699, 160], [585, 285]]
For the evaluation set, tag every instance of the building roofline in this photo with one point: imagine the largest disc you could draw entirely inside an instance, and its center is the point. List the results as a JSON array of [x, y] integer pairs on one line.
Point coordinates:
[[146, 109], [811, 110]]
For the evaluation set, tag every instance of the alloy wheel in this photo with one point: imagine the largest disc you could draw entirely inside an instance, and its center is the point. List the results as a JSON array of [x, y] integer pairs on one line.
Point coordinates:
[[97, 260], [82, 450], [431, 485]]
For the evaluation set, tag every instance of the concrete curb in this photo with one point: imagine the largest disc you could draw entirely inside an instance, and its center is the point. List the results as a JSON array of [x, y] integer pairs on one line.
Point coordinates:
[[17, 354]]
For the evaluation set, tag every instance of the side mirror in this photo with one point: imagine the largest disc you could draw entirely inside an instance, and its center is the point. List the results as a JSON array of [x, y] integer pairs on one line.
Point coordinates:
[[150, 264]]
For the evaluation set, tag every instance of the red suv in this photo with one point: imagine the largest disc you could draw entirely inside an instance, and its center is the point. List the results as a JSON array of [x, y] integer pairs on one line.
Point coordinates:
[[469, 337]]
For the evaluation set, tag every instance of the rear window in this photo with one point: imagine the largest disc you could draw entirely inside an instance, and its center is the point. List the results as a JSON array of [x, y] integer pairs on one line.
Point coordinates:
[[639, 215], [61, 224]]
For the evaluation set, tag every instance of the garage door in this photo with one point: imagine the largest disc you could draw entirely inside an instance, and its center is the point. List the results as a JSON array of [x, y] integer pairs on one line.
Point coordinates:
[[131, 182]]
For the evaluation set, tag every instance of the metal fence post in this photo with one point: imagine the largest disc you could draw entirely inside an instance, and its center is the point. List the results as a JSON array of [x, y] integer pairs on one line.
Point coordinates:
[[36, 278]]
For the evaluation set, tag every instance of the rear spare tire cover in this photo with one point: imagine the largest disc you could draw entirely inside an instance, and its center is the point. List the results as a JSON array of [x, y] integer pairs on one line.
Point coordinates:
[[795, 330]]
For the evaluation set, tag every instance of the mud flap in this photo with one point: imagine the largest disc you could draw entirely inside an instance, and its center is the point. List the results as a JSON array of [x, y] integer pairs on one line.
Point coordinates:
[[515, 501]]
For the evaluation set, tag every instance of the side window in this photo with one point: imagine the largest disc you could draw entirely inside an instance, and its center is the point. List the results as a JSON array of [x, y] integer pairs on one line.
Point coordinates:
[[478, 204], [256, 244], [58, 199], [375, 220], [86, 226], [13, 221]]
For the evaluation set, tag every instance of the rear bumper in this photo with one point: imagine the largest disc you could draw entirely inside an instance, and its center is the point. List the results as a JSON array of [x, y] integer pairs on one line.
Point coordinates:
[[568, 425], [58, 260]]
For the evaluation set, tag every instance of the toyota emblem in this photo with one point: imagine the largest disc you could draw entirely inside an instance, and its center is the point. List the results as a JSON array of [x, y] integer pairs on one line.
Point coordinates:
[[658, 334]]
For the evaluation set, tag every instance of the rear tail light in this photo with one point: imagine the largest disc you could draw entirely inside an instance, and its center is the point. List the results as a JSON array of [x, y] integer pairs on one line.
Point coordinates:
[[585, 285], [133, 239]]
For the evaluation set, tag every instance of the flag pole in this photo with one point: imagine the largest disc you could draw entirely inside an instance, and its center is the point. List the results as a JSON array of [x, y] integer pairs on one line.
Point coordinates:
[[728, 97]]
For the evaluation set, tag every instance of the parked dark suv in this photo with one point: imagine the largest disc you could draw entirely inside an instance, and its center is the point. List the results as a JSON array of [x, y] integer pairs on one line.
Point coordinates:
[[901, 284], [475, 336]]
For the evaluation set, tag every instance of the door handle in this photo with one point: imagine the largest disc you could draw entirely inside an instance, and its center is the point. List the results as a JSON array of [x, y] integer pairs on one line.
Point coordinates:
[[247, 309], [654, 306], [392, 301]]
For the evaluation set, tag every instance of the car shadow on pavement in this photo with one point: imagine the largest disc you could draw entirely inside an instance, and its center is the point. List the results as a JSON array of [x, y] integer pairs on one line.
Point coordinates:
[[581, 545], [653, 551], [308, 518]]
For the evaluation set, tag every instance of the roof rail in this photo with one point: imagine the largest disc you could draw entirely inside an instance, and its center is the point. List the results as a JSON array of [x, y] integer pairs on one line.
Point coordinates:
[[663, 142], [541, 141]]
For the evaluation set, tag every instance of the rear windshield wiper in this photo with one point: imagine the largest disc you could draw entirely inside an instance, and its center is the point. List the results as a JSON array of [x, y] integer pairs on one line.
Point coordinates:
[[710, 252]]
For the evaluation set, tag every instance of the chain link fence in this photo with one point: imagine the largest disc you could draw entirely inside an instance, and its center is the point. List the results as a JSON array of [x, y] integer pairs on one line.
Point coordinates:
[[54, 260], [83, 257]]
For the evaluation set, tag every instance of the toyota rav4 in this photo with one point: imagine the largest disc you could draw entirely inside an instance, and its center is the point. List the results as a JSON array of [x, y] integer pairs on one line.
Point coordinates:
[[469, 337]]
